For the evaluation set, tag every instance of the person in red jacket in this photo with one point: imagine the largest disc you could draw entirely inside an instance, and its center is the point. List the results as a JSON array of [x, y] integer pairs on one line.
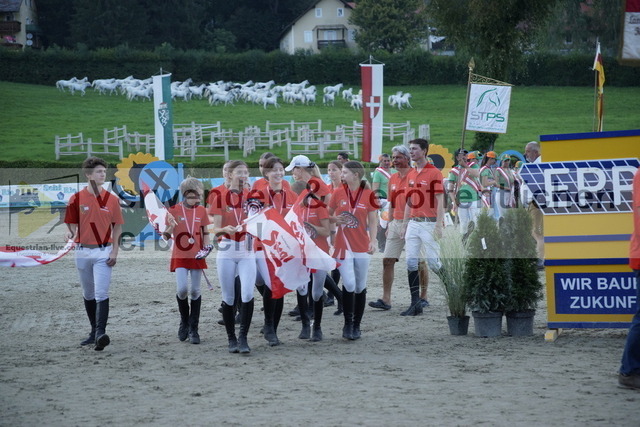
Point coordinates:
[[187, 223], [354, 209], [235, 256], [94, 220], [629, 376], [276, 195]]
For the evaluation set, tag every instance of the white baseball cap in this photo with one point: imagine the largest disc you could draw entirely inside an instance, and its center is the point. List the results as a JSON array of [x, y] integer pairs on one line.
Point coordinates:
[[299, 161]]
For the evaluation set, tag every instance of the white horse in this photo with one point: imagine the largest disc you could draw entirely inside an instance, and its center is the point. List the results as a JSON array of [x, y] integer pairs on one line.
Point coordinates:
[[347, 94], [333, 89], [271, 100], [329, 98], [78, 86], [403, 101], [356, 102]]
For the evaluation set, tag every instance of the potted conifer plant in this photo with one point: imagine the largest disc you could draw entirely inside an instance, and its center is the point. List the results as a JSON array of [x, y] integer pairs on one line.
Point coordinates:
[[525, 287], [486, 277], [453, 256]]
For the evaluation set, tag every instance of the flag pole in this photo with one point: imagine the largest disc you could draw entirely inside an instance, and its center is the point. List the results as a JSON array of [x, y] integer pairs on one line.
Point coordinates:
[[471, 65], [595, 93]]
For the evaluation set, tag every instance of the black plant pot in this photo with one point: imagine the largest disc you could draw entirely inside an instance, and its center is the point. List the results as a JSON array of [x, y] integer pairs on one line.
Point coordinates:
[[487, 324], [458, 325], [520, 323]]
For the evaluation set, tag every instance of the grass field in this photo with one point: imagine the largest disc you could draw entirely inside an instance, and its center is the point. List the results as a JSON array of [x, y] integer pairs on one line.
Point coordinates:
[[33, 115]]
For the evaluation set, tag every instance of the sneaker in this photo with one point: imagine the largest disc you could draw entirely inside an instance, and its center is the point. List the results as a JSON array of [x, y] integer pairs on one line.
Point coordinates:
[[424, 303], [380, 304], [629, 381]]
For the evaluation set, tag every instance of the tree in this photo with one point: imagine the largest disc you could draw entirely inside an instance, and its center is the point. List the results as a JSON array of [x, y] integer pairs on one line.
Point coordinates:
[[391, 25], [107, 23], [574, 26], [496, 33]]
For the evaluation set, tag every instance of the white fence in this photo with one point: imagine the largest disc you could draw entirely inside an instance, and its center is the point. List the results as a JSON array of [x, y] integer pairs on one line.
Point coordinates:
[[193, 140], [111, 144]]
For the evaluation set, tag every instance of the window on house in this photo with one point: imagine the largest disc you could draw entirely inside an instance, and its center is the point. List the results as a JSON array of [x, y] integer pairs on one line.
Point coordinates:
[[330, 35], [340, 12], [318, 12], [351, 35], [308, 36]]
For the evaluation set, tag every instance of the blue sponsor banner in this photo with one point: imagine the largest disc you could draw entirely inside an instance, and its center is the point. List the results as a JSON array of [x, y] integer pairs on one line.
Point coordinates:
[[596, 293]]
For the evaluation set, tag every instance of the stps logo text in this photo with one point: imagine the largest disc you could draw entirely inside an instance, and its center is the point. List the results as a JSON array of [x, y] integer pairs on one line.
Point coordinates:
[[488, 100], [577, 187]]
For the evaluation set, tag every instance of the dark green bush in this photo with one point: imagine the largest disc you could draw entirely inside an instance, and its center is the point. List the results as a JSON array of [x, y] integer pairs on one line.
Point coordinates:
[[413, 67]]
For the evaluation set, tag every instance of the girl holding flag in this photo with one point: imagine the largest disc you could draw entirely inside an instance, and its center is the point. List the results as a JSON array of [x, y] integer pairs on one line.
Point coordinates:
[[187, 223], [235, 254], [354, 209], [281, 198], [311, 208]]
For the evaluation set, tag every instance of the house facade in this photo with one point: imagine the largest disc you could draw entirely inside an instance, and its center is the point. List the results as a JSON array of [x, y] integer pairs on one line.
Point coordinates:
[[19, 24], [324, 24]]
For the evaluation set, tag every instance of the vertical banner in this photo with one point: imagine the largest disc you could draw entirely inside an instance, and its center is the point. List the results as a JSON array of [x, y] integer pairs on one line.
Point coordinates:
[[372, 106], [630, 47], [488, 109], [163, 116]]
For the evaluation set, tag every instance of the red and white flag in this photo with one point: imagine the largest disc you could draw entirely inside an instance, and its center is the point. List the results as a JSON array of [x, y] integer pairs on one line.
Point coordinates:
[[314, 257], [290, 253], [17, 256], [156, 211], [372, 109], [282, 251]]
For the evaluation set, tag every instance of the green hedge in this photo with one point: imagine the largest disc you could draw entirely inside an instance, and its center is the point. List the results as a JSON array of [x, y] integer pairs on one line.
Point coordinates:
[[329, 67]]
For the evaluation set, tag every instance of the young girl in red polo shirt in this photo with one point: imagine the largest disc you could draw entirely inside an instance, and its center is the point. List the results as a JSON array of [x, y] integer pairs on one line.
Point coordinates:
[[235, 254], [310, 204], [187, 223], [276, 195], [354, 209]]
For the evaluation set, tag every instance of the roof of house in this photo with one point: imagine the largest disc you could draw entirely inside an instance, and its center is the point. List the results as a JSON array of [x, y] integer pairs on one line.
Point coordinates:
[[349, 4], [10, 5]]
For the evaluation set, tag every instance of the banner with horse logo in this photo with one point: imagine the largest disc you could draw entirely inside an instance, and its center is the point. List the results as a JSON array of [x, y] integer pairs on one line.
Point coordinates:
[[488, 109]]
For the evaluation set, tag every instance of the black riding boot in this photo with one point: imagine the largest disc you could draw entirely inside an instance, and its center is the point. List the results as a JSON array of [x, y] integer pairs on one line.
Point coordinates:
[[246, 313], [347, 307], [335, 276], [183, 308], [102, 315], [194, 320], [358, 311], [414, 287], [90, 307], [318, 306], [269, 313], [228, 317], [334, 290], [277, 313], [305, 333]]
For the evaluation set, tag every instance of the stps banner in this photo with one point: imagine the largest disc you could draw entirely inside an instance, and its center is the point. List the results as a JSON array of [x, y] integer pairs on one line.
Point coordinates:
[[488, 109], [372, 106], [163, 116], [630, 47]]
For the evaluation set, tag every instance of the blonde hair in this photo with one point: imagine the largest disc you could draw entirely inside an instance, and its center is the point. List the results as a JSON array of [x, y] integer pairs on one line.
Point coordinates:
[[191, 185]]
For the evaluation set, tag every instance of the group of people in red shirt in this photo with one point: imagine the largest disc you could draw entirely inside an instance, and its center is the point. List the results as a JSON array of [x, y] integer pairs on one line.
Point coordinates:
[[341, 217]]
